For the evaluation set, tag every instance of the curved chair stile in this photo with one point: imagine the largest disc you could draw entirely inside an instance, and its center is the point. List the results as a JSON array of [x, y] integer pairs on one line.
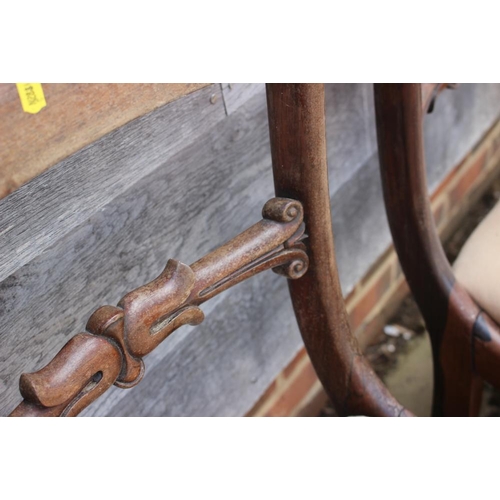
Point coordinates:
[[298, 147], [465, 341]]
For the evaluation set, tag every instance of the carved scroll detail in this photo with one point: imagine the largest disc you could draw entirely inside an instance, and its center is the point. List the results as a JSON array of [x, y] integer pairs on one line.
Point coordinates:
[[121, 336]]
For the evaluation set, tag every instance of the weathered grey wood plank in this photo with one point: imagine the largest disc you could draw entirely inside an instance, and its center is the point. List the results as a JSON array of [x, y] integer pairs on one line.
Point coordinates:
[[76, 115], [350, 127], [236, 95], [71, 192], [460, 118], [198, 199]]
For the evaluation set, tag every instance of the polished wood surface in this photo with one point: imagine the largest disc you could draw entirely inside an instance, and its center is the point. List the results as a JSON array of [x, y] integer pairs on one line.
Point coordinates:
[[76, 115], [460, 353], [298, 146], [118, 338]]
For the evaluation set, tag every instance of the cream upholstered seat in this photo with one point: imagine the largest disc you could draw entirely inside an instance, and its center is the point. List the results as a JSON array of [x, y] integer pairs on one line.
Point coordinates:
[[477, 267]]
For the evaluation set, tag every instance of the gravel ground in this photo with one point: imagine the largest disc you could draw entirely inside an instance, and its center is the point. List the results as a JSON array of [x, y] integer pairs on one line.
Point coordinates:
[[402, 357]]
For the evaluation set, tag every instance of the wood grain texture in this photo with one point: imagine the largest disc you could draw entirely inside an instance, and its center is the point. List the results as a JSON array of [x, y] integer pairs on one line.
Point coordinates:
[[127, 243], [59, 200], [119, 337], [70, 256], [298, 145], [76, 115], [236, 94], [450, 314]]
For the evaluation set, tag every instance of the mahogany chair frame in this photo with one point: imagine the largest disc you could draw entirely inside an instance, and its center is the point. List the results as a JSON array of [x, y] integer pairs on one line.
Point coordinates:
[[294, 239], [465, 340], [298, 147]]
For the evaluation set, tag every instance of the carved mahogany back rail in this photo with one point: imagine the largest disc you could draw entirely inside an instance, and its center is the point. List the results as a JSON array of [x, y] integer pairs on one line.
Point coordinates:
[[119, 337], [294, 239]]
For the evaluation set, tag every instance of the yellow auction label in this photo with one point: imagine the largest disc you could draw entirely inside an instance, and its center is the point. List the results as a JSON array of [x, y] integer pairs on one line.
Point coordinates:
[[31, 95]]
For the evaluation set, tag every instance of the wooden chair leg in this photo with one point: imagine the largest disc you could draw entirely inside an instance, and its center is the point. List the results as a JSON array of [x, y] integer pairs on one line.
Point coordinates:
[[298, 146]]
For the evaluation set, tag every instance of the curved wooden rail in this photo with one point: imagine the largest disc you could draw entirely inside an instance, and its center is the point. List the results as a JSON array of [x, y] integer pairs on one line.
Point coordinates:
[[298, 146], [465, 343]]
